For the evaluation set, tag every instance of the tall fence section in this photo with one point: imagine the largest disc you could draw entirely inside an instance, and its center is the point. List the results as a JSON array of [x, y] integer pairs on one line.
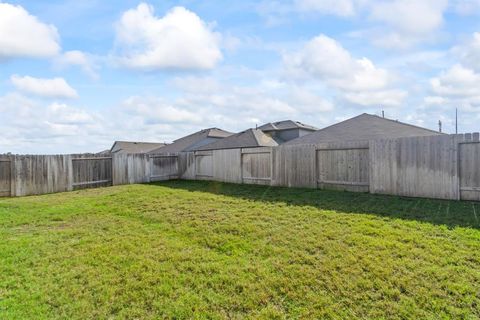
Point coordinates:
[[444, 167], [22, 175]]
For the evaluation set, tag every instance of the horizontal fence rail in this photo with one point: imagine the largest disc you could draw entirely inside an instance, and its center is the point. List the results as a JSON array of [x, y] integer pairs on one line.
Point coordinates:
[[444, 167]]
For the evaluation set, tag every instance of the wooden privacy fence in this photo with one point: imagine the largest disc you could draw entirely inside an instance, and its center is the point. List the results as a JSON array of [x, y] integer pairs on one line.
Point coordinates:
[[22, 175], [444, 167]]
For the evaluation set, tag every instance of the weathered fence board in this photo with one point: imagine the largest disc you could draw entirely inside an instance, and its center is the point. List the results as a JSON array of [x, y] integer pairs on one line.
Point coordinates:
[[91, 172], [130, 168], [5, 176], [38, 174], [294, 166], [164, 167], [417, 167], [227, 166], [343, 166], [204, 165], [186, 165], [256, 165], [469, 155]]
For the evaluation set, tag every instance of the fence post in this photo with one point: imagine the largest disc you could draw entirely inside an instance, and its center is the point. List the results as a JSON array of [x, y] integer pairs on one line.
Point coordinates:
[[457, 139], [113, 169], [70, 173], [13, 173]]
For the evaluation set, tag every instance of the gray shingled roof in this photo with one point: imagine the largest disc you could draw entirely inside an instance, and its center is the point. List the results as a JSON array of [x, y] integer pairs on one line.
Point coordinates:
[[364, 127], [286, 125], [194, 140], [135, 147], [250, 138]]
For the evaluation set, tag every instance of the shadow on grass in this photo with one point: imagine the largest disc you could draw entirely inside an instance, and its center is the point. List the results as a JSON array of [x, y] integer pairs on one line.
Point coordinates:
[[440, 212]]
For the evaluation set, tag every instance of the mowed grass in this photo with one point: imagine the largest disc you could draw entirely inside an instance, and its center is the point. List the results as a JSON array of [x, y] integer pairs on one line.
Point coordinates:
[[204, 250]]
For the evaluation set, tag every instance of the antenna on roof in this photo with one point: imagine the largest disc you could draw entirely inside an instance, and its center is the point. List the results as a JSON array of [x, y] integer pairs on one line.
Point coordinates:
[[383, 114], [440, 126]]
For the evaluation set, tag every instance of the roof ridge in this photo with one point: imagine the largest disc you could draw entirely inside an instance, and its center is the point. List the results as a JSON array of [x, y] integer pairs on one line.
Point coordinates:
[[404, 123], [378, 117], [338, 123], [192, 134], [125, 141], [255, 136], [218, 129]]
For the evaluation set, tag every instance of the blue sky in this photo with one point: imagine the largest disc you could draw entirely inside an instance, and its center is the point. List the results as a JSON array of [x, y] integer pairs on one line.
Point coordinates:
[[77, 75]]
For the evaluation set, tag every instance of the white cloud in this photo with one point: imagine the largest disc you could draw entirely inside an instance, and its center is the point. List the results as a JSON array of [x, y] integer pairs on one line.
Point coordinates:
[[335, 7], [51, 88], [362, 82], [34, 127], [179, 40], [156, 111], [467, 7], [324, 58], [67, 115], [457, 81], [79, 59], [389, 98], [307, 102], [469, 53], [40, 127], [342, 8], [456, 87], [408, 21], [411, 16], [394, 24], [238, 107], [21, 105], [23, 35], [278, 12]]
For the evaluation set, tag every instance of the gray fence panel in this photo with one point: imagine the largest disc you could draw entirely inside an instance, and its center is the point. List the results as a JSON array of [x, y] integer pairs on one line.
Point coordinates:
[[257, 165], [91, 172], [343, 168], [5, 177]]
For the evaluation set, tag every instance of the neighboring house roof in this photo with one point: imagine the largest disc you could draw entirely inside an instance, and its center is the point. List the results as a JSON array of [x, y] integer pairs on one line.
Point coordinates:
[[364, 127], [134, 147], [286, 125], [104, 152], [194, 140], [250, 138]]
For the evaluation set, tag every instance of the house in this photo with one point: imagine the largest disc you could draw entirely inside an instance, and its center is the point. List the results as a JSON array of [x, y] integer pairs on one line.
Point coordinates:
[[250, 138], [194, 140], [124, 147], [364, 127], [284, 131]]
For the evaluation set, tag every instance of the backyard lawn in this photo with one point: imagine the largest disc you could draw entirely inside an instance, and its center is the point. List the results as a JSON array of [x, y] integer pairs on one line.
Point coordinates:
[[205, 250]]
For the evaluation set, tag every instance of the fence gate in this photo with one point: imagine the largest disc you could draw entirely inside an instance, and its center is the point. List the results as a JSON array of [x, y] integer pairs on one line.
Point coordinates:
[[469, 169], [5, 177], [343, 168], [256, 165]]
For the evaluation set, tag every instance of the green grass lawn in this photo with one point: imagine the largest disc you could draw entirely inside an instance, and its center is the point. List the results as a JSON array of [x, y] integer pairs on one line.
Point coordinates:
[[183, 249]]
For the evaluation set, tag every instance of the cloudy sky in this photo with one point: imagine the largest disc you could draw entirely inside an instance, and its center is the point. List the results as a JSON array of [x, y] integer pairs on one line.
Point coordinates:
[[77, 75]]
